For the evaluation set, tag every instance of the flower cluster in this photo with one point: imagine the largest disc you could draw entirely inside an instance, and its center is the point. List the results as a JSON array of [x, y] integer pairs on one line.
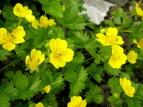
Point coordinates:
[[76, 101], [9, 40], [36, 58], [24, 12], [110, 38], [118, 57], [44, 22], [126, 85], [139, 11], [60, 53], [132, 56]]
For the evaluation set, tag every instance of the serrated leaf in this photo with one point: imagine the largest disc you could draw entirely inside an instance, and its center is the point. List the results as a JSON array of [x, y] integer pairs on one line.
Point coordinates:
[[50, 100], [133, 102], [3, 54], [125, 75], [21, 80], [94, 94], [76, 88], [40, 37], [117, 102], [44, 2], [76, 80], [54, 8], [4, 101], [25, 94], [71, 19], [95, 71], [78, 58], [34, 83], [57, 80], [9, 90], [8, 11], [114, 85]]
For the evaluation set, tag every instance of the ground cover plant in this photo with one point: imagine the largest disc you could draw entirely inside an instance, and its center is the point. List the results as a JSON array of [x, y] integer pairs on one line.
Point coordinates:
[[53, 57]]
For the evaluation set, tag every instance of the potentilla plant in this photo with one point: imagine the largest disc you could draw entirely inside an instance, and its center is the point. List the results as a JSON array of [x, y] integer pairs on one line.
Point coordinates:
[[53, 57]]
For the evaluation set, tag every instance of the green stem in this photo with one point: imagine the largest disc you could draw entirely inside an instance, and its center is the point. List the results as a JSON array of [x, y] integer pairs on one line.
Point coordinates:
[[8, 65], [19, 21]]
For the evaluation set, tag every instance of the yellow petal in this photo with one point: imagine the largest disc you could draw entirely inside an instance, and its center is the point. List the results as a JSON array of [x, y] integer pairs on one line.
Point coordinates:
[[139, 10], [56, 61], [57, 45], [30, 18], [47, 88], [18, 32], [42, 58], [111, 31], [35, 24], [67, 55], [18, 10], [51, 22], [39, 105], [83, 103], [119, 40], [3, 33], [44, 21], [132, 56], [8, 46], [102, 39]]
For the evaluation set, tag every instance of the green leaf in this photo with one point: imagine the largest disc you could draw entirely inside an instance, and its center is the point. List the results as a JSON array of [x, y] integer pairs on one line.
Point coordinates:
[[114, 85], [133, 102], [8, 11], [78, 58], [8, 90], [21, 80], [50, 100], [117, 102], [9, 74], [93, 94], [3, 54], [125, 75], [40, 37], [34, 83], [95, 71], [76, 80], [44, 2], [110, 70], [57, 80], [4, 101], [54, 8], [71, 19]]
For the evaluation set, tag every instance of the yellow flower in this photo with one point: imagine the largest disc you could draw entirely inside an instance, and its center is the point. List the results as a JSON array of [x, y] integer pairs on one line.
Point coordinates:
[[60, 53], [21, 11], [140, 43], [126, 85], [118, 58], [39, 104], [132, 56], [44, 22], [36, 58], [63, 7], [18, 34], [47, 88], [110, 38], [76, 101], [139, 11], [8, 40]]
